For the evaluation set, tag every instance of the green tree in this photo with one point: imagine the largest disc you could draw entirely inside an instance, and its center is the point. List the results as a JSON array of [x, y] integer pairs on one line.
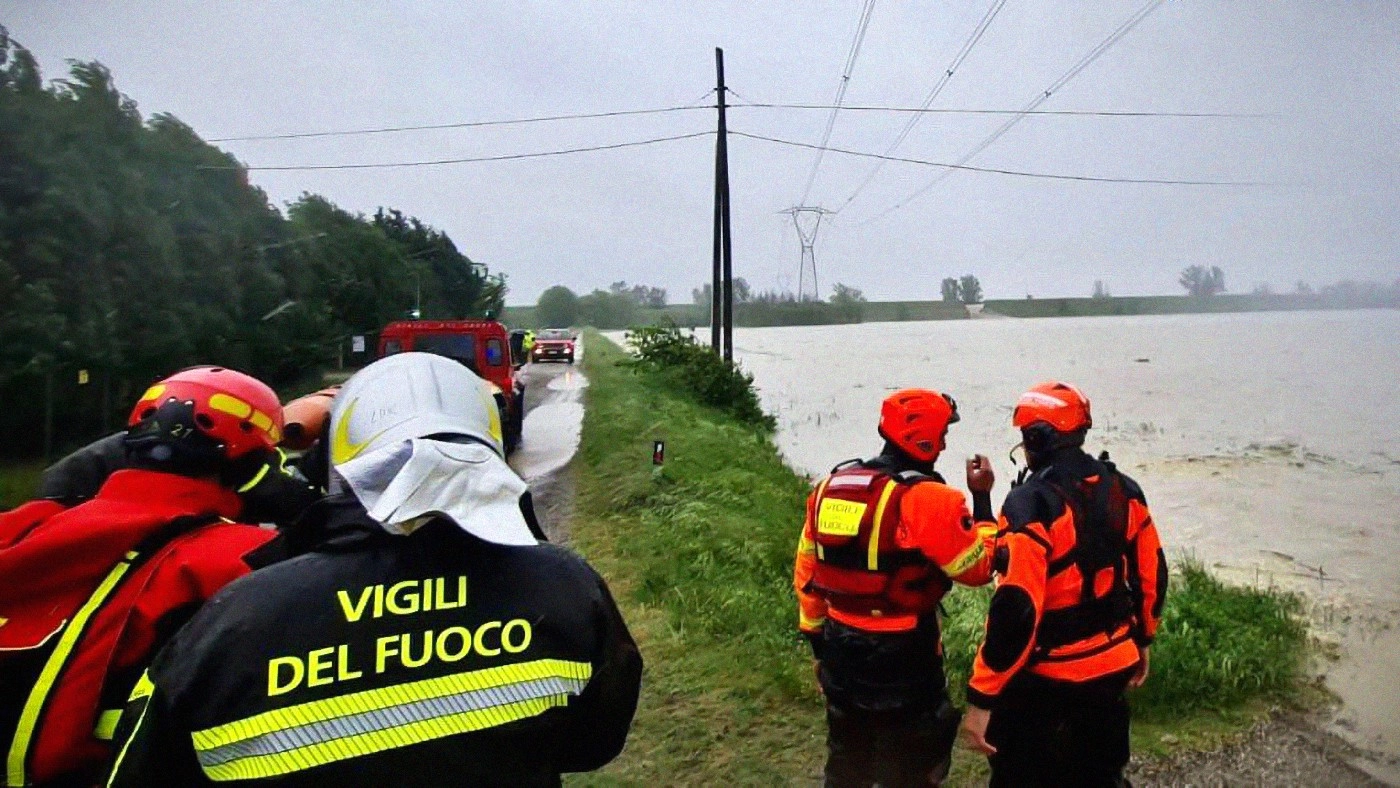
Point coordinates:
[[950, 290], [604, 309], [130, 248], [849, 302], [1201, 281], [557, 308], [969, 289]]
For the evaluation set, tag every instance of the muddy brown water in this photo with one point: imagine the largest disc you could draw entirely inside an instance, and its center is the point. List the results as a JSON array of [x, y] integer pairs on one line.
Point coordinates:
[[1268, 444]]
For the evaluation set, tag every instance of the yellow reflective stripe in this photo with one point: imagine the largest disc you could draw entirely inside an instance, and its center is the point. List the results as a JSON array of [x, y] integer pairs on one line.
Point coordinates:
[[145, 687], [385, 697], [258, 477], [816, 507], [965, 560], [107, 724], [872, 558], [805, 623], [29, 717], [331, 711], [302, 758]]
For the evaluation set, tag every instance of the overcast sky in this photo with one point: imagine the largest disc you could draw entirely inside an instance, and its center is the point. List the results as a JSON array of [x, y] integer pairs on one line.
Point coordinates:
[[1327, 73]]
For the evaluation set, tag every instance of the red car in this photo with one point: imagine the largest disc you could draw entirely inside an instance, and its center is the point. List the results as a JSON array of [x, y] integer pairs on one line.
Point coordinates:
[[482, 345], [554, 344]]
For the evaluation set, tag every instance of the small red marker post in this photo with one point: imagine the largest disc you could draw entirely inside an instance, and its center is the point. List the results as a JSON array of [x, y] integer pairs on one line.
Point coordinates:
[[658, 457]]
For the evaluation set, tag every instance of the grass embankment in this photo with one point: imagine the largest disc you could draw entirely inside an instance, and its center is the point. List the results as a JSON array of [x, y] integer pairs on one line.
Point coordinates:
[[700, 558]]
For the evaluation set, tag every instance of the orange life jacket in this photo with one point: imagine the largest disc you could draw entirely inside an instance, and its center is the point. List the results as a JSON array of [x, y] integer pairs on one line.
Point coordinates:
[[861, 568]]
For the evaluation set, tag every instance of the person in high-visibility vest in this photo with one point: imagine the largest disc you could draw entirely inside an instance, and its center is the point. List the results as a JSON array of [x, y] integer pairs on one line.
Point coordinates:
[[883, 541], [1082, 582]]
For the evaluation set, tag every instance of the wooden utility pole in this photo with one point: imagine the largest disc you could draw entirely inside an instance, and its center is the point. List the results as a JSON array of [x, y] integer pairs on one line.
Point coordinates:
[[722, 289], [717, 267]]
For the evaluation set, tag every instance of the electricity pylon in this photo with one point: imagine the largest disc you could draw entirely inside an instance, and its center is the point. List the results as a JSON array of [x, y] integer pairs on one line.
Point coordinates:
[[807, 220]]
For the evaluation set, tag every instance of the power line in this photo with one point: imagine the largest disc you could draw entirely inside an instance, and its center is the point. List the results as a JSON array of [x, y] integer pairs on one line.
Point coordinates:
[[1064, 79], [465, 124], [694, 105], [999, 170], [471, 160], [1092, 113], [942, 82], [866, 11]]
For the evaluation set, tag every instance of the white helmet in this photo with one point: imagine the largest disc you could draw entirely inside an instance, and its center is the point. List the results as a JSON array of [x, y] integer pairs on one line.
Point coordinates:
[[396, 445], [407, 396]]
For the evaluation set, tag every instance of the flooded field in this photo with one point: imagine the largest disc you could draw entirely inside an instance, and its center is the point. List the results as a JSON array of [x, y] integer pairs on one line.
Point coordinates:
[[1268, 443]]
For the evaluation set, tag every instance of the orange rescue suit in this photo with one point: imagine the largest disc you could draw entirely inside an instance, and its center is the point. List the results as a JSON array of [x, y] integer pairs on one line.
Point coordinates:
[[1058, 613], [877, 551]]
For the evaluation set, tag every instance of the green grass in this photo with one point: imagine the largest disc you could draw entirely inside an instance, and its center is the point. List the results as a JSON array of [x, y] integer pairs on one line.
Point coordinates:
[[700, 558], [18, 480]]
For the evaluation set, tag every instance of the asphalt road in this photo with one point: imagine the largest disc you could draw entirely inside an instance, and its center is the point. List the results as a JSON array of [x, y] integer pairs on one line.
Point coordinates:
[[553, 419]]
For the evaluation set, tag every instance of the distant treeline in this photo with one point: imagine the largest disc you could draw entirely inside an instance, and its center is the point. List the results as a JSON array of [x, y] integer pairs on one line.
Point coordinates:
[[130, 248], [1343, 295], [791, 312], [625, 306]]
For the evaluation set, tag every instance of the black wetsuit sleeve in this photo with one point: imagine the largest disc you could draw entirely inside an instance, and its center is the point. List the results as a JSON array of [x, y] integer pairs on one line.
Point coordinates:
[[982, 507], [601, 716], [78, 477]]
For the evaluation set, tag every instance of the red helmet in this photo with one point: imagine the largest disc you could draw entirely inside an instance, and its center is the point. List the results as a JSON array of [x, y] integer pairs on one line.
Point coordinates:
[[237, 412], [1060, 405], [916, 421]]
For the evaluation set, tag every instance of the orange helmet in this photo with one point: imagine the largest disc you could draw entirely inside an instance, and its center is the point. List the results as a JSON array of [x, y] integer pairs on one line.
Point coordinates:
[[235, 414], [916, 421], [306, 418], [1060, 405]]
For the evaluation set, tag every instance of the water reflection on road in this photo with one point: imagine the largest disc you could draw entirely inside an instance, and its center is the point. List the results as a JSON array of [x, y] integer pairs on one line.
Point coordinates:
[[553, 419]]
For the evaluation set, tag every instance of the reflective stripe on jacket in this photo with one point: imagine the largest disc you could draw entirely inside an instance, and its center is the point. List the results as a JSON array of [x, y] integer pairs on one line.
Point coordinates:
[[90, 594], [1041, 581], [929, 519], [430, 659]]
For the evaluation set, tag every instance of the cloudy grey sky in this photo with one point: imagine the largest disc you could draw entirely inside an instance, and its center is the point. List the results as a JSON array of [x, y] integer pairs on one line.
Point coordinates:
[[1326, 72]]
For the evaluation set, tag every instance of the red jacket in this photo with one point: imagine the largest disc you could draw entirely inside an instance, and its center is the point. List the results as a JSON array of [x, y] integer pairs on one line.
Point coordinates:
[[90, 594]]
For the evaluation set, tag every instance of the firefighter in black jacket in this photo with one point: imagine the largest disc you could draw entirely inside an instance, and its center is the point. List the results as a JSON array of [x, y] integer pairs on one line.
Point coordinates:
[[427, 639]]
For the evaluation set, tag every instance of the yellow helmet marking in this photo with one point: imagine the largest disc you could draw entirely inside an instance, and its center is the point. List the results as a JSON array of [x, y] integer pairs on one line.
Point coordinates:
[[342, 449], [233, 406]]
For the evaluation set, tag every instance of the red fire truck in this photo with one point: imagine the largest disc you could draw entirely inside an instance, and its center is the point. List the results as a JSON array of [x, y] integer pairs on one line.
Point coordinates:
[[482, 345]]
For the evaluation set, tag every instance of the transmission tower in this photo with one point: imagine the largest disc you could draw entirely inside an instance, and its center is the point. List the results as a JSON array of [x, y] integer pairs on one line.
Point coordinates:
[[807, 220]]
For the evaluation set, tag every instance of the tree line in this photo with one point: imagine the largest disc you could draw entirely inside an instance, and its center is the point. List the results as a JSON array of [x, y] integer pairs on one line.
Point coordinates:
[[625, 305], [130, 248]]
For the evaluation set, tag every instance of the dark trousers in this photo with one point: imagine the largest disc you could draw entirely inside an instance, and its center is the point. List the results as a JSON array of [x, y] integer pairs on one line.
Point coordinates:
[[1060, 734], [889, 748]]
